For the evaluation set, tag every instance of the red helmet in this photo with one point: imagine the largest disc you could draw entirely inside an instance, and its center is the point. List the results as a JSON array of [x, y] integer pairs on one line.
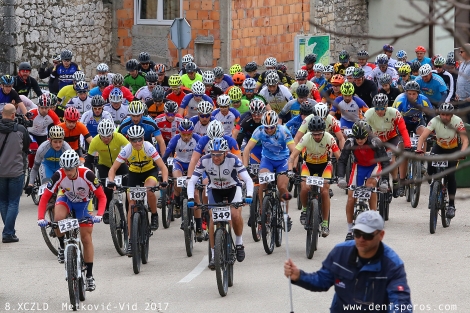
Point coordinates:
[[420, 49], [71, 114]]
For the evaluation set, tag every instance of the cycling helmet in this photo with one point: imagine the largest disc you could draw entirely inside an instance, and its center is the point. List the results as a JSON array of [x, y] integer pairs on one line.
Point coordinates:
[[186, 126], [215, 129], [151, 77], [382, 59], [223, 101], [415, 65], [208, 78], [158, 93], [174, 81], [450, 54], [269, 118], [249, 83], [412, 85], [135, 131], [205, 107], [337, 79], [44, 101], [66, 55], [171, 107], [257, 106], [446, 107], [187, 58], [347, 89], [235, 94], [218, 144], [380, 100], [306, 108], [404, 70], [56, 58], [316, 124], [363, 54], [24, 66], [388, 48], [399, 64], [238, 78], [191, 67], [270, 62], [329, 69], [57, 132], [116, 95], [218, 72], [321, 110], [272, 79], [281, 67], [235, 69], [361, 129], [358, 72], [144, 57], [401, 54], [450, 61], [349, 71], [132, 65], [102, 81], [198, 88], [310, 58], [251, 67], [102, 67], [106, 128], [97, 101], [343, 56], [302, 91], [301, 74], [71, 114], [318, 68], [136, 108], [69, 159], [385, 79], [425, 70], [78, 76], [7, 80], [118, 79], [81, 86], [420, 49], [439, 61], [53, 99]]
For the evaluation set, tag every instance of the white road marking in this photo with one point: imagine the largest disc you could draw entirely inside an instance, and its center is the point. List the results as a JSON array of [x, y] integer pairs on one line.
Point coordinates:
[[196, 271]]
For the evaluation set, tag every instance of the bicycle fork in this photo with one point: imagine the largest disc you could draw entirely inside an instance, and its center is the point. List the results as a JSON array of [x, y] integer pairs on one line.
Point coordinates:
[[79, 259]]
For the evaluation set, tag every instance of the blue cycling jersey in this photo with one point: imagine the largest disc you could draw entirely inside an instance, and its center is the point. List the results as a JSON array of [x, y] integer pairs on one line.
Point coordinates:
[[95, 92], [294, 124], [274, 146], [411, 112], [65, 74], [435, 89], [150, 127]]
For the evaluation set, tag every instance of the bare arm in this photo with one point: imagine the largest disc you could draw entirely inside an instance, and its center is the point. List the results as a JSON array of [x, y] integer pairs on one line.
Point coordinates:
[[161, 144], [340, 137], [424, 135], [246, 153], [292, 159]]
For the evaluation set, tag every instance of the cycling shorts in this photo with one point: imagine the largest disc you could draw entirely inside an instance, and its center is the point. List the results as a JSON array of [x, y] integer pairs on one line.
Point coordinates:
[[139, 179], [180, 166], [320, 170], [274, 166], [233, 194], [80, 209], [255, 155], [412, 127], [346, 124], [395, 141], [359, 174]]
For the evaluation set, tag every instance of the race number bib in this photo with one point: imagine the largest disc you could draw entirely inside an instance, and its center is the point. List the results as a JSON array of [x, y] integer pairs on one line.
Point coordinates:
[[68, 224], [138, 193], [439, 163], [117, 180], [266, 177], [221, 214], [314, 181], [181, 181], [362, 193], [41, 189], [169, 161]]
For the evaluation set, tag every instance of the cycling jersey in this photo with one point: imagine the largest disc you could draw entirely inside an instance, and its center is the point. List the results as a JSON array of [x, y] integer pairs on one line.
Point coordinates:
[[155, 109], [366, 91], [188, 82], [274, 146], [446, 135], [65, 75], [293, 124], [49, 158], [331, 124], [317, 152], [425, 60], [282, 77], [189, 104], [134, 83], [214, 92], [183, 150], [315, 94], [118, 115], [143, 93], [310, 72], [148, 124], [244, 106], [292, 109], [254, 97], [225, 83], [126, 93], [200, 129], [66, 93], [107, 153], [320, 82], [278, 99], [435, 89], [411, 113], [23, 87], [339, 68], [350, 112], [91, 121], [228, 121], [72, 136], [392, 95], [40, 123], [368, 68], [81, 105], [386, 127], [95, 91], [202, 145], [377, 74], [170, 95], [109, 76], [139, 160], [449, 81], [167, 128]]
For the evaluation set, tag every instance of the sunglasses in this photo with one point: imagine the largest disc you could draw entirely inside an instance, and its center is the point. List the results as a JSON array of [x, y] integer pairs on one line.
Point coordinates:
[[358, 234], [68, 168], [151, 84], [134, 140], [81, 92], [198, 96], [404, 75], [437, 66], [249, 90], [235, 102], [204, 115], [66, 60], [170, 114], [270, 127], [146, 63], [379, 109], [257, 114], [161, 74], [98, 108], [217, 155], [317, 134]]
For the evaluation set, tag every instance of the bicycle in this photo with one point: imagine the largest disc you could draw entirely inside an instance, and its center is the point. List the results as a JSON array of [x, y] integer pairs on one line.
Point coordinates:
[[118, 218], [255, 209], [413, 176], [348, 134], [362, 194], [168, 202], [438, 198]]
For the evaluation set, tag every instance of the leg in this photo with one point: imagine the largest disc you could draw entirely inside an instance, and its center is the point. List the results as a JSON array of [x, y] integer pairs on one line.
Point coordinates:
[[61, 210], [303, 200], [13, 194], [151, 181], [371, 183], [88, 249], [325, 196], [177, 191]]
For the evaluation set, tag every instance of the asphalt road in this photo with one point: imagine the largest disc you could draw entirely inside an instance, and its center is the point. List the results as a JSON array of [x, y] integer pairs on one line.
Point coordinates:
[[437, 266]]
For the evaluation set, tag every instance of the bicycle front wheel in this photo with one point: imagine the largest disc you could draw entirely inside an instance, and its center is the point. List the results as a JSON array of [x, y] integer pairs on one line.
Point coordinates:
[[118, 227], [313, 227], [48, 234], [279, 223], [416, 187], [145, 235], [35, 194], [136, 243], [81, 281], [434, 206], [445, 221], [220, 261], [267, 225], [166, 210], [187, 227], [72, 277], [255, 217]]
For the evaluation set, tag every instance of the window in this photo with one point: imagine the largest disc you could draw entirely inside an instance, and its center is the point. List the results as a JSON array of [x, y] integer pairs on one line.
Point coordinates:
[[158, 12]]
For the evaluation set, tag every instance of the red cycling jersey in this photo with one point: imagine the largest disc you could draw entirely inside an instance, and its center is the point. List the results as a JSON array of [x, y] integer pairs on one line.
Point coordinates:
[[126, 93], [168, 129], [170, 95]]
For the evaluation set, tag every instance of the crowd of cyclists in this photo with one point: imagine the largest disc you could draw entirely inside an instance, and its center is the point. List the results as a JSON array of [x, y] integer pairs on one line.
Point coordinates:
[[221, 128]]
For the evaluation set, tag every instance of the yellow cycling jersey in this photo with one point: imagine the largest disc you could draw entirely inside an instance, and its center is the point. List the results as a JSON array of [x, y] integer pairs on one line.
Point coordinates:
[[140, 161], [317, 152], [107, 153], [446, 135], [330, 121], [66, 93]]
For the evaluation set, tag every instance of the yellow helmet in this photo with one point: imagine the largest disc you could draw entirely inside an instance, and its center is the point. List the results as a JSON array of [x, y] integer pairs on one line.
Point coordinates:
[[174, 81], [347, 89], [235, 93], [235, 69]]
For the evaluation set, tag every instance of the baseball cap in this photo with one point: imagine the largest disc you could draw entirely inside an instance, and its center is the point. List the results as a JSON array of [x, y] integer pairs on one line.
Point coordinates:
[[369, 221]]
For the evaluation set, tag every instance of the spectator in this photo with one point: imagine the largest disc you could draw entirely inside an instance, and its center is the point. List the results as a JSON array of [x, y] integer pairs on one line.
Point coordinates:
[[14, 145], [463, 82], [351, 265], [45, 72]]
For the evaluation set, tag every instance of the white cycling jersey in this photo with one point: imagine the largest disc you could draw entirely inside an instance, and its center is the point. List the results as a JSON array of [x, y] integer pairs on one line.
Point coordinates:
[[377, 74], [118, 115], [143, 93], [277, 100], [27, 103], [81, 106], [228, 121]]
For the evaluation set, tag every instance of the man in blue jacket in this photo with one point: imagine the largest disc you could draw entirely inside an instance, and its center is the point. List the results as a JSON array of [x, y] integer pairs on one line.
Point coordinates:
[[367, 274]]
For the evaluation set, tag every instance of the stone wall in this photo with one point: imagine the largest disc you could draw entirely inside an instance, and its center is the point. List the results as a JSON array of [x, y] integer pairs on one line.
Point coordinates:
[[7, 28]]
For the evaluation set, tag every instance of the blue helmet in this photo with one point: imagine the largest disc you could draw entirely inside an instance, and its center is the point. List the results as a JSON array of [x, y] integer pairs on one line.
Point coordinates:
[[218, 144], [7, 80], [186, 126], [401, 54], [115, 95]]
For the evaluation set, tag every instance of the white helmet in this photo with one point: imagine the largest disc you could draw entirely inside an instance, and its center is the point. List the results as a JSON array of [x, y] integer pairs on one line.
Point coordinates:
[[136, 108], [269, 118], [198, 88], [224, 101], [78, 76], [136, 131], [187, 58], [102, 67], [349, 71], [321, 110], [425, 70], [318, 67], [208, 77], [115, 95], [205, 107], [56, 132], [399, 64], [270, 62], [249, 83], [301, 74], [106, 128], [215, 129], [272, 79], [329, 69], [69, 159]]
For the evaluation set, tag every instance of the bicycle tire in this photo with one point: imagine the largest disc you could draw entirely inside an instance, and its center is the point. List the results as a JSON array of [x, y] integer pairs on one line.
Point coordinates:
[[35, 194], [72, 277], [51, 241], [434, 207], [313, 227], [416, 190], [145, 235], [280, 225], [81, 281], [444, 220], [381, 205], [118, 227], [166, 212], [220, 261], [171, 201], [255, 216], [348, 170], [136, 243], [231, 255], [267, 226], [188, 233]]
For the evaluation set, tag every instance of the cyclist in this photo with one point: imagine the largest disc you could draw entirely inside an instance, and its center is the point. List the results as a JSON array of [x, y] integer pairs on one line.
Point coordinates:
[[328, 73], [277, 142], [276, 95], [134, 79], [405, 76], [65, 70], [448, 79], [335, 91], [309, 60], [388, 50], [318, 145], [145, 92], [348, 73], [182, 145], [381, 69], [301, 79], [169, 121], [319, 79], [212, 90], [431, 85], [102, 82], [77, 183], [362, 57], [366, 150], [73, 129], [451, 68], [447, 127], [344, 63], [188, 107], [239, 104], [118, 82], [82, 102], [222, 80], [351, 107], [187, 58], [140, 155], [401, 56], [306, 109], [251, 69], [364, 88], [415, 65], [93, 117], [228, 116], [420, 52], [43, 118], [387, 88], [45, 72], [101, 70], [270, 65], [191, 75], [249, 85], [116, 108], [8, 94], [223, 169], [176, 92], [145, 64], [248, 124], [160, 69], [24, 82], [283, 68], [155, 105], [386, 122], [68, 92], [238, 79], [203, 118], [292, 108]]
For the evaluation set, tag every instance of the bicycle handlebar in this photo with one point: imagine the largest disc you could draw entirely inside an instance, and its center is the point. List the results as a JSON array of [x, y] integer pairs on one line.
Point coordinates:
[[353, 187], [85, 220], [201, 206], [299, 178]]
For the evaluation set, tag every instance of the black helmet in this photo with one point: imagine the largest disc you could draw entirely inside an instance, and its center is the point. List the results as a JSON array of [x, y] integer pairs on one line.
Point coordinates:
[[97, 101], [66, 55], [380, 100], [358, 73], [343, 56], [24, 66], [151, 77], [302, 91], [306, 108], [251, 67], [132, 65], [361, 129], [158, 93], [170, 106], [412, 85], [144, 57], [316, 124], [310, 58], [415, 65], [191, 67], [102, 81]]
